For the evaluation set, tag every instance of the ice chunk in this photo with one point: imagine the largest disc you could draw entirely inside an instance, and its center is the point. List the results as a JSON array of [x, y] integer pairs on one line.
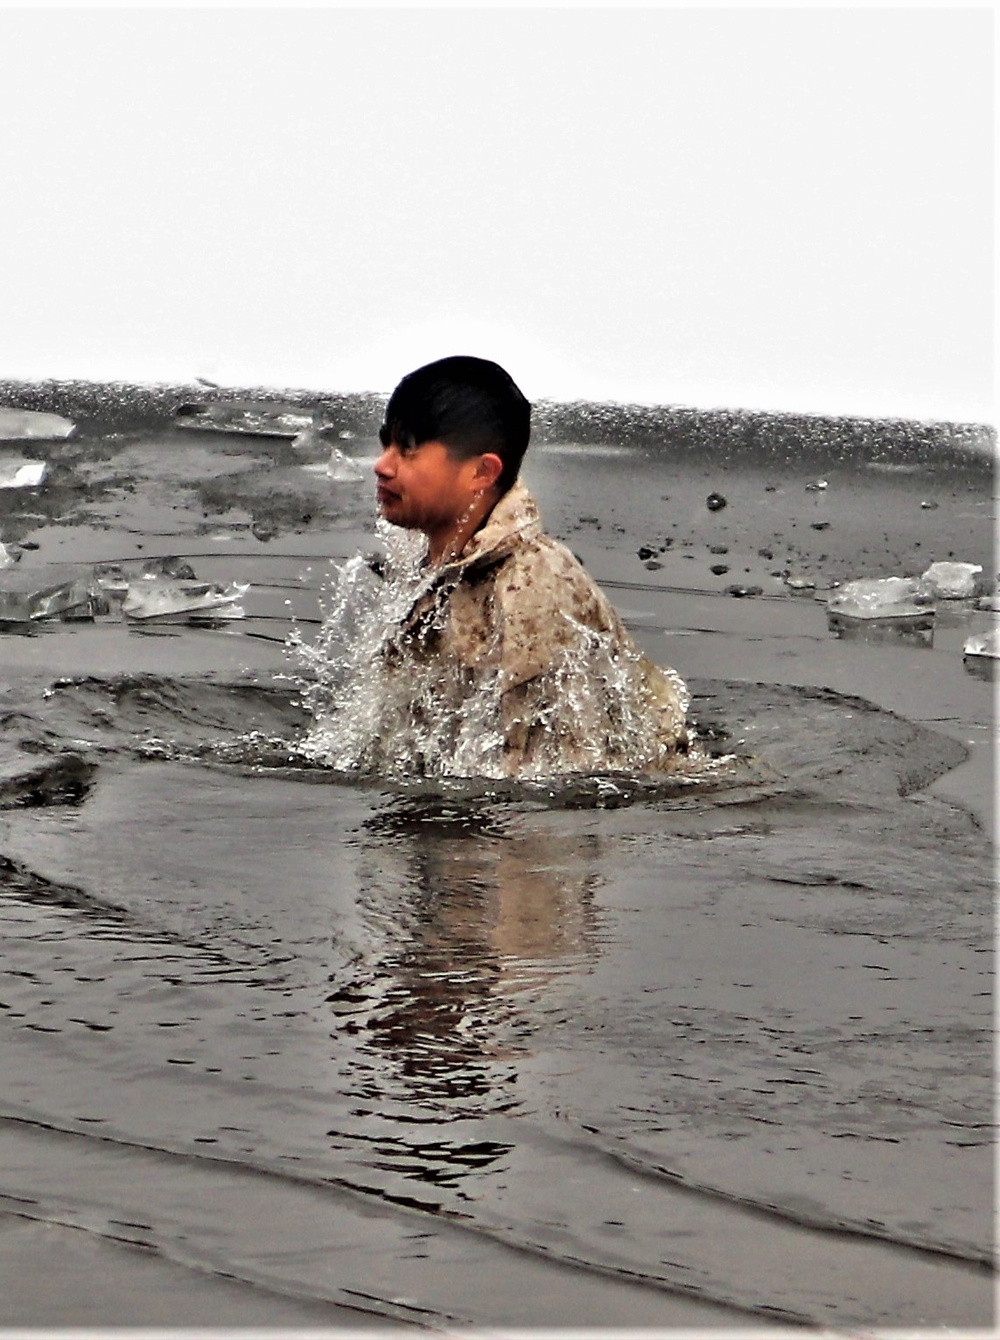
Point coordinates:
[[980, 654], [7, 559], [26, 597], [17, 473], [983, 644], [880, 609], [153, 599], [341, 468], [310, 439], [261, 418], [114, 579], [881, 598], [20, 424], [319, 440], [952, 581]]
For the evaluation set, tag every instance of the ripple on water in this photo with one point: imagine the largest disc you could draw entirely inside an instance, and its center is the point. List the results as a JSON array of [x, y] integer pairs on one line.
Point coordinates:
[[638, 1029]]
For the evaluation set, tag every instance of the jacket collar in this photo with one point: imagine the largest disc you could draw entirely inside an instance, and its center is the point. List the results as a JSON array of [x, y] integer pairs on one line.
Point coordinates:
[[513, 519]]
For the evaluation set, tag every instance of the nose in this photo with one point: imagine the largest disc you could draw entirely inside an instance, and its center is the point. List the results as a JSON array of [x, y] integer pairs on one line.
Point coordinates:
[[384, 467]]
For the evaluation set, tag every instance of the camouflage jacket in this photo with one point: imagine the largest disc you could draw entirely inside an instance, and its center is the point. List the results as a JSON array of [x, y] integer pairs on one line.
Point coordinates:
[[517, 627]]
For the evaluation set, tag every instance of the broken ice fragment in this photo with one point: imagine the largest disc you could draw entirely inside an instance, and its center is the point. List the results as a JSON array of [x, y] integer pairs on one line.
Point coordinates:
[[311, 438], [114, 579], [18, 473], [980, 654], [19, 424], [26, 597], [881, 598], [152, 599], [261, 418], [952, 581], [983, 644], [882, 608], [341, 468]]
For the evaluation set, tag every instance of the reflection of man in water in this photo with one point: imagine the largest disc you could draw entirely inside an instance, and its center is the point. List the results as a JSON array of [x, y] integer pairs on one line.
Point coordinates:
[[510, 615], [467, 919]]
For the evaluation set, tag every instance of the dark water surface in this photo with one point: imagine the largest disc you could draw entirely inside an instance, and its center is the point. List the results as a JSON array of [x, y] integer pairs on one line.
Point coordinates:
[[591, 1054]]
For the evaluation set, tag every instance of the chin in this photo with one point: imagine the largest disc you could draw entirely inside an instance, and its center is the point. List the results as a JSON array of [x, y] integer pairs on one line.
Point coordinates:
[[394, 518]]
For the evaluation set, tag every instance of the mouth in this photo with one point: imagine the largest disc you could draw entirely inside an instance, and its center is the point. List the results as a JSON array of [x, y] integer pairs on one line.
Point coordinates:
[[385, 497]]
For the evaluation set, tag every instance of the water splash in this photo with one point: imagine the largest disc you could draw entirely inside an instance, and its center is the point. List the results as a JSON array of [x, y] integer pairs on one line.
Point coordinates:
[[358, 710], [380, 707]]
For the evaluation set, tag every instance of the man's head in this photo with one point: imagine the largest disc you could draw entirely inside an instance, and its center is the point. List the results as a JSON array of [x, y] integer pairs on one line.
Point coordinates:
[[470, 405]]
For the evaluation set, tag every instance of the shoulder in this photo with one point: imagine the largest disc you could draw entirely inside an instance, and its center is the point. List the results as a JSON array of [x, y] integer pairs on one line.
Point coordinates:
[[544, 602], [543, 570], [538, 558]]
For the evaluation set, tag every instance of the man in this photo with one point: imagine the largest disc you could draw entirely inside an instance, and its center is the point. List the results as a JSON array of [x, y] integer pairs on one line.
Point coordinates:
[[510, 659]]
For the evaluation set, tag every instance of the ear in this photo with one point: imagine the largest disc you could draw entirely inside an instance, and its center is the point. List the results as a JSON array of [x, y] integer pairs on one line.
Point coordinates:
[[489, 468]]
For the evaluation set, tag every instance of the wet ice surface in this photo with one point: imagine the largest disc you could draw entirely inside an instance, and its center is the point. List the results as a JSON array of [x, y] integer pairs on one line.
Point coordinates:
[[491, 1055]]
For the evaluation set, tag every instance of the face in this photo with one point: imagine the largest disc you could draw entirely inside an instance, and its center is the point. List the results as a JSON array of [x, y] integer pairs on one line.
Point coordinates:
[[423, 488]]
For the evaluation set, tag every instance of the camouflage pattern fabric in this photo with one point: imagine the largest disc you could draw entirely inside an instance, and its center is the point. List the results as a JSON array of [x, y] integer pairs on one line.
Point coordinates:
[[515, 614]]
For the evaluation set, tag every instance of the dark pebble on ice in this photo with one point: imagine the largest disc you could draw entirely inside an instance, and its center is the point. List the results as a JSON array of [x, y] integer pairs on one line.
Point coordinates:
[[653, 564], [820, 525], [765, 553], [715, 502], [719, 568], [718, 548], [33, 544], [928, 504], [645, 552], [741, 591]]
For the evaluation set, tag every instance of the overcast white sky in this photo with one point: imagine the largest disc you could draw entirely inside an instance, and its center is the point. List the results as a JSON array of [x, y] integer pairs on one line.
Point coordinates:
[[788, 209]]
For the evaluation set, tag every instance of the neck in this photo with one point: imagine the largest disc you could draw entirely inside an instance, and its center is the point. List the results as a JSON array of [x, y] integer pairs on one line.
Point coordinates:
[[445, 543]]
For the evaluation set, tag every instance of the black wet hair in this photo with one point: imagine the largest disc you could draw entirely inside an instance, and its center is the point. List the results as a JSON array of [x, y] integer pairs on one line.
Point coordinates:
[[470, 404]]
